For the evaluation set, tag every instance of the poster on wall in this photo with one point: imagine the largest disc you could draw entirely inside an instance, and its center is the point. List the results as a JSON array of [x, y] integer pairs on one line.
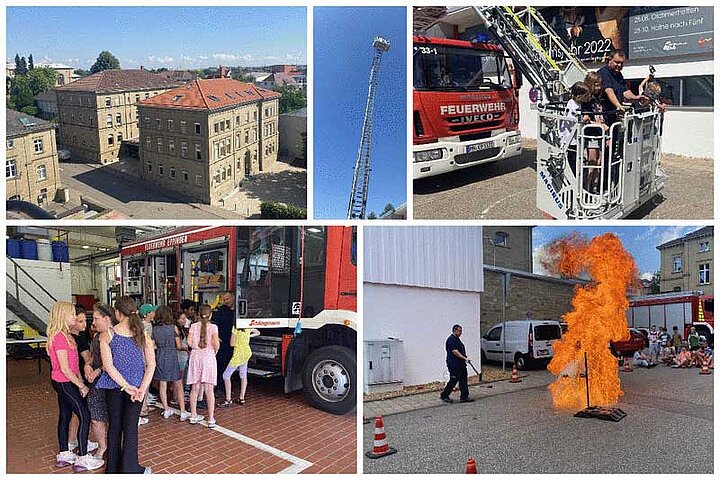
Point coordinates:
[[672, 31]]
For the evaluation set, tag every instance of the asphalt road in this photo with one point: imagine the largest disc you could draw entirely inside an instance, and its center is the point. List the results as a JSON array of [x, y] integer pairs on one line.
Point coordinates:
[[668, 429], [506, 190]]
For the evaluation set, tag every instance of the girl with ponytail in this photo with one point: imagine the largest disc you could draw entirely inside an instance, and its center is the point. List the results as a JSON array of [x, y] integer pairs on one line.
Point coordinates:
[[202, 368], [128, 362]]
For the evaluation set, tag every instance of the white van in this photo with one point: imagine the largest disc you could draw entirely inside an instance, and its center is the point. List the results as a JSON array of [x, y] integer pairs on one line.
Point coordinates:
[[526, 341]]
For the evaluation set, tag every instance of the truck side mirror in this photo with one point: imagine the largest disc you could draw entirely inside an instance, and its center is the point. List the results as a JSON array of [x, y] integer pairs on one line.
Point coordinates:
[[242, 308]]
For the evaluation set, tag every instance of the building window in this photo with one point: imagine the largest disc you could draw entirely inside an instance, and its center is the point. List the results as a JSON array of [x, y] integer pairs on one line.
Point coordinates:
[[170, 125], [171, 146], [42, 198], [137, 97], [10, 143], [108, 102], [216, 150], [11, 168], [217, 177], [146, 121], [198, 152], [500, 239], [247, 137], [223, 174], [149, 166], [198, 180], [159, 145], [227, 124], [688, 91], [185, 176], [172, 173], [147, 95], [119, 138], [111, 139], [108, 120], [197, 129], [117, 101], [704, 274], [41, 172], [82, 120], [247, 117], [216, 127], [14, 197], [237, 140], [228, 171], [183, 149], [237, 120], [148, 143], [183, 126], [161, 169], [703, 247], [118, 119], [677, 264], [157, 123], [38, 144]]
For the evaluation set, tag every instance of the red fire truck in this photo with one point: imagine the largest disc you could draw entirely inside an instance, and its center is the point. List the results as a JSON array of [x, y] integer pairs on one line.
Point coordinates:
[[465, 105], [681, 309], [297, 285]]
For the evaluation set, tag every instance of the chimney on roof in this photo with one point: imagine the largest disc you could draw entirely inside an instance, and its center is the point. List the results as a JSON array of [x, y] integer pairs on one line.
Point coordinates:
[[142, 67]]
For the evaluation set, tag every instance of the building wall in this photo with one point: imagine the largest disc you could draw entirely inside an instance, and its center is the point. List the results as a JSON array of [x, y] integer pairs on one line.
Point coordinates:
[[27, 182], [515, 253], [544, 298], [688, 277], [423, 319], [64, 76], [84, 123], [292, 128], [230, 144]]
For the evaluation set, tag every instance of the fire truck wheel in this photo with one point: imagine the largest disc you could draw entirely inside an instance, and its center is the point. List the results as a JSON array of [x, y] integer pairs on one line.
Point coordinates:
[[330, 379]]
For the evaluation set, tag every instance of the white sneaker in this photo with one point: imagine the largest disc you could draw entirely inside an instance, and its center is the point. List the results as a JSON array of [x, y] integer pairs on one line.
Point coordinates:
[[142, 421], [147, 471], [90, 445], [184, 416], [151, 398], [87, 462], [194, 420], [64, 459], [212, 424], [167, 414]]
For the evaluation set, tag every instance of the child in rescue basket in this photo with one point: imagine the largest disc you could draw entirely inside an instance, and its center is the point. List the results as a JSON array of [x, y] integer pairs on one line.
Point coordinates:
[[70, 388], [204, 342], [240, 341]]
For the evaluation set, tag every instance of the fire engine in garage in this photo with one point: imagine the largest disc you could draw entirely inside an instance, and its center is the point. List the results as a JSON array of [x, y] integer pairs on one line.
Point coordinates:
[[675, 309], [465, 105], [297, 285]]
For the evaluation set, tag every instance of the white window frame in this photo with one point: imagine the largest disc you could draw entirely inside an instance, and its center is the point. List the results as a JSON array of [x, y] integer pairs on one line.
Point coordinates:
[[677, 264], [11, 168], [38, 145], [41, 171], [704, 272]]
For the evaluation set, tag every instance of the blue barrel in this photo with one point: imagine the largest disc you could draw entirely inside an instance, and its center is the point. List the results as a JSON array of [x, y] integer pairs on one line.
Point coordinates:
[[13, 248], [60, 252], [28, 249]]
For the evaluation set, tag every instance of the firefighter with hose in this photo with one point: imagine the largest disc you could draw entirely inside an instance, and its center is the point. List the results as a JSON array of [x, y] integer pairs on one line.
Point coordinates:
[[457, 367]]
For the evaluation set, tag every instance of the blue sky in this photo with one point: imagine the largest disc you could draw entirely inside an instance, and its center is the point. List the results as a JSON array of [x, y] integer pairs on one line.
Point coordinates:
[[342, 56], [174, 37], [639, 241]]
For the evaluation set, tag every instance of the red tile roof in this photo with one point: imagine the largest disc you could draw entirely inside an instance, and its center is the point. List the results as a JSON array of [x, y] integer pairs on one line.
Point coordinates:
[[118, 81], [210, 94]]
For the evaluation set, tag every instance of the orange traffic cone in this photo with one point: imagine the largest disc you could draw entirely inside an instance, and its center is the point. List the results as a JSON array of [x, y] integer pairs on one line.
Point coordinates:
[[705, 370], [471, 467], [627, 367], [515, 378], [380, 445]]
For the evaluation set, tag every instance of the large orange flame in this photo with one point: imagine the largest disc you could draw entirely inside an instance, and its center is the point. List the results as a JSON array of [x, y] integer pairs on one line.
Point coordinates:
[[596, 319]]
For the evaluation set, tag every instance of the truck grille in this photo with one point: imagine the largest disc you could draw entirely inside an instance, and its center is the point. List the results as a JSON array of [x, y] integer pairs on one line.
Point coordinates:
[[476, 156], [474, 126]]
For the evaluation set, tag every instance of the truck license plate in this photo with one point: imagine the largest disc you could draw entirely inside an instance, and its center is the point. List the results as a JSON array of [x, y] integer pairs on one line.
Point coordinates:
[[544, 352], [479, 146]]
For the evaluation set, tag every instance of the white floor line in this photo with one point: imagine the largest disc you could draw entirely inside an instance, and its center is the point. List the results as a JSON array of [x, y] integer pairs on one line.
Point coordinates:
[[298, 464]]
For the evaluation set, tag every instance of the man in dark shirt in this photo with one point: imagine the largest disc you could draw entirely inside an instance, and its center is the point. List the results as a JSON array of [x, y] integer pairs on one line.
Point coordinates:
[[614, 86], [456, 363], [224, 318]]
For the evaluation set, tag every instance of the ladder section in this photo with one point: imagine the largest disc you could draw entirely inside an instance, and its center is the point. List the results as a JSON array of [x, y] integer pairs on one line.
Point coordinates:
[[540, 53], [361, 175]]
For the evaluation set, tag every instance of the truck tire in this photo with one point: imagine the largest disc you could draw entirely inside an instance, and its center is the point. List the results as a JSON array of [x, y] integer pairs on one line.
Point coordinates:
[[520, 361], [330, 379]]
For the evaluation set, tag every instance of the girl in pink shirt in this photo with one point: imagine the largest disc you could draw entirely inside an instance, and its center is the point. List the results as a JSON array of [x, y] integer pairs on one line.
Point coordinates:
[[70, 388]]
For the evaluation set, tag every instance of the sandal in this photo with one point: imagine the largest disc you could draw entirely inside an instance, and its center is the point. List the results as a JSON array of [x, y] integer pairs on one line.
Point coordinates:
[[226, 403], [241, 401]]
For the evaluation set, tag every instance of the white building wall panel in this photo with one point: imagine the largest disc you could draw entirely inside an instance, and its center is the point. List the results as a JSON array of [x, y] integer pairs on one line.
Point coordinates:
[[445, 257], [422, 318]]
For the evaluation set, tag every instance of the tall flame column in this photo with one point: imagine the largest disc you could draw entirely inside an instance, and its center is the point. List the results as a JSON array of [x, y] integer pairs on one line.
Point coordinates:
[[361, 176]]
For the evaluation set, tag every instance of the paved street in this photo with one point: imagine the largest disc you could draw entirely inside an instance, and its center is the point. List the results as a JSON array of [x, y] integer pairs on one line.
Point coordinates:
[[117, 187], [506, 190], [668, 429], [272, 433]]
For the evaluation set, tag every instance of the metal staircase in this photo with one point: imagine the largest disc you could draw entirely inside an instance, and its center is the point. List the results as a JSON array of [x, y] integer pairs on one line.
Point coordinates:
[[26, 297]]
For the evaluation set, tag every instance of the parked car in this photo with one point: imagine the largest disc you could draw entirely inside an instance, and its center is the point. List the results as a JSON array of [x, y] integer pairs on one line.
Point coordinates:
[[526, 342], [626, 348]]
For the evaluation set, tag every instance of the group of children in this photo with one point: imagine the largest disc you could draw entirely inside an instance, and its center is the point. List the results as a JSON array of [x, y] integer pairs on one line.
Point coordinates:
[[102, 371], [675, 352]]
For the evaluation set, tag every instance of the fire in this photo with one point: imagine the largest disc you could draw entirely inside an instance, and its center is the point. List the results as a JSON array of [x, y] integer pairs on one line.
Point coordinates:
[[596, 319]]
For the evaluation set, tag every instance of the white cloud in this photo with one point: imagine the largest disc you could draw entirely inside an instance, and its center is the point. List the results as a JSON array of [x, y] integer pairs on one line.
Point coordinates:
[[672, 233], [646, 276], [161, 60], [203, 57], [225, 57]]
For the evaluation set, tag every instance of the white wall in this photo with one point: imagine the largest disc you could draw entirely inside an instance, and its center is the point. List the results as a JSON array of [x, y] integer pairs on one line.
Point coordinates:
[[52, 276], [434, 256], [423, 319]]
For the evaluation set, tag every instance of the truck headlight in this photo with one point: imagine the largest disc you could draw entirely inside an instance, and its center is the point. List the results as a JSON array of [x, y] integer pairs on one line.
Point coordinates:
[[428, 155]]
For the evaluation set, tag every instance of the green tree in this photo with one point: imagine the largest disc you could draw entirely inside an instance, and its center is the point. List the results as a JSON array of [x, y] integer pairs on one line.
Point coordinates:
[[81, 72], [389, 208], [41, 79], [292, 98], [241, 76], [20, 66], [105, 61], [372, 216], [21, 93], [31, 63], [655, 282], [30, 110]]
